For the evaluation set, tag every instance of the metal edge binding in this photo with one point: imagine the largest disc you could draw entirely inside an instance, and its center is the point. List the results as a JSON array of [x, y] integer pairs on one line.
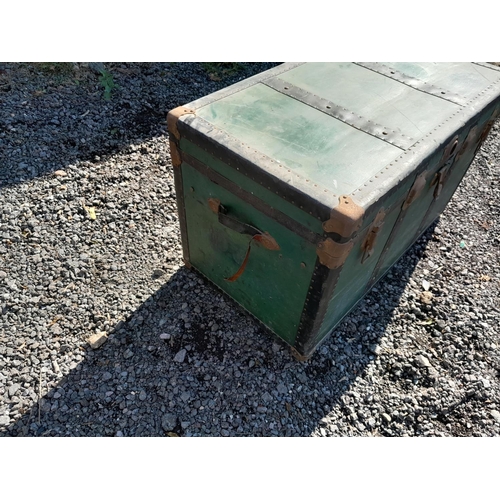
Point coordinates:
[[309, 329], [313, 308], [413, 82], [181, 211]]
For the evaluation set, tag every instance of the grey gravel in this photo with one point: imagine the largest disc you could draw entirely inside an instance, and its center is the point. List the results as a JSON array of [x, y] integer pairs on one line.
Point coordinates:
[[89, 244], [180, 356], [169, 422]]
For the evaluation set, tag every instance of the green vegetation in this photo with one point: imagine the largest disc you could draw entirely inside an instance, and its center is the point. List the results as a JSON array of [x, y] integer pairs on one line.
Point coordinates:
[[106, 80]]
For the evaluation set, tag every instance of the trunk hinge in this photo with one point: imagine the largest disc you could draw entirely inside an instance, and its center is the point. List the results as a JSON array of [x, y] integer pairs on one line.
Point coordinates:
[[371, 237]]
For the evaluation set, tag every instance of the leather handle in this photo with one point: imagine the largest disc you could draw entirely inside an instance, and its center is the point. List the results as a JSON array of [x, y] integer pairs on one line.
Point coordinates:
[[262, 238]]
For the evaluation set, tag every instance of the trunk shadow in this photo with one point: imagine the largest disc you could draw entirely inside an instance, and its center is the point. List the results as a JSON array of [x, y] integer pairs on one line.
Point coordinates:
[[184, 366]]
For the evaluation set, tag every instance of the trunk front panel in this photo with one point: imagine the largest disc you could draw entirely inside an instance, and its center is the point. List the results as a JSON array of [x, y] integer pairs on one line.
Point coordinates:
[[355, 274], [456, 174], [262, 192]]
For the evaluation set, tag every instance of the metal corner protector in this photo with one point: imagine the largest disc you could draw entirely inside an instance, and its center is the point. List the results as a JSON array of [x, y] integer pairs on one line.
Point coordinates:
[[345, 219], [172, 118]]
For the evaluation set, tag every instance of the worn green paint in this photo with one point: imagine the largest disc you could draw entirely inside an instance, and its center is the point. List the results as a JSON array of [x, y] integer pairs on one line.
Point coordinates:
[[253, 187], [305, 140], [373, 96], [458, 171], [274, 284]]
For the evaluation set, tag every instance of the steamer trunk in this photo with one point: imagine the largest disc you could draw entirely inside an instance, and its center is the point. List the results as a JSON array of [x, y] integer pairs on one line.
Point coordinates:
[[300, 187]]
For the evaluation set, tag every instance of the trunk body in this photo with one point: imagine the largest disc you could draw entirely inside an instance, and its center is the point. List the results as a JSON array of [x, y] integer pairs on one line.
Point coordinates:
[[300, 187]]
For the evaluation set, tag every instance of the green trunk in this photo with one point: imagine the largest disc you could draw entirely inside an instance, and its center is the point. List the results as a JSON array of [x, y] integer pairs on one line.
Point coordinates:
[[299, 188]]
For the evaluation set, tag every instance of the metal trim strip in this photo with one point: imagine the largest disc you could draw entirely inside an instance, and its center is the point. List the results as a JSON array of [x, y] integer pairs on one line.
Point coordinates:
[[420, 152], [322, 283], [340, 113], [414, 83], [181, 211]]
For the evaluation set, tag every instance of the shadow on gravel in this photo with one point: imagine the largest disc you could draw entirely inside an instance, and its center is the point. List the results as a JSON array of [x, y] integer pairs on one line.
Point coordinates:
[[212, 370]]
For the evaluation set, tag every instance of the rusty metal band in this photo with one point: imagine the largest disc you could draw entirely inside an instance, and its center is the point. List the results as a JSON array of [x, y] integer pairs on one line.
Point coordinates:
[[342, 114], [414, 83], [253, 200], [486, 65]]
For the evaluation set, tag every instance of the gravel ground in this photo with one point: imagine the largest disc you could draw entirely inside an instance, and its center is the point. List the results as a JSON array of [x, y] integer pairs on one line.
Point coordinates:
[[90, 248]]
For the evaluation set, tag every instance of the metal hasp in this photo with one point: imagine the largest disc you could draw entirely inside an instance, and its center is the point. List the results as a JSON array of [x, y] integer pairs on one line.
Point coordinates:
[[299, 188]]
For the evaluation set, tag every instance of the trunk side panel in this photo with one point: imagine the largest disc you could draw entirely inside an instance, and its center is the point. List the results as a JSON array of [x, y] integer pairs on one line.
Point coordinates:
[[425, 209], [274, 285], [456, 175]]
